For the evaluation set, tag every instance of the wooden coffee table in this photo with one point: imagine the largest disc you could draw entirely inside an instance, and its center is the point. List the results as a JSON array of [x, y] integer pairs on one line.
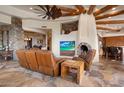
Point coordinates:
[[71, 64]]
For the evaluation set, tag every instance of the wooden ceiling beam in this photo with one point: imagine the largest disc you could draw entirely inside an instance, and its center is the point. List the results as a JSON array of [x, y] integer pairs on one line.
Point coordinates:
[[70, 14], [66, 9], [108, 28], [91, 9], [110, 22], [80, 8], [30, 33], [114, 13], [104, 9]]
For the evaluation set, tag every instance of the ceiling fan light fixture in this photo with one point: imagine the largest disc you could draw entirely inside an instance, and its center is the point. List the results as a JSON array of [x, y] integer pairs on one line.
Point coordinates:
[[51, 12], [113, 8]]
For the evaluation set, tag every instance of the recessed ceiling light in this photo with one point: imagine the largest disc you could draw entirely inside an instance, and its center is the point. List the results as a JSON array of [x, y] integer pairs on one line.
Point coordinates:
[[77, 10], [31, 8], [109, 17], [113, 8]]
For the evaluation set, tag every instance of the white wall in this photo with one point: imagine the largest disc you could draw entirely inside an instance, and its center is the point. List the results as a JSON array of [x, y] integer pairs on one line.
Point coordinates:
[[57, 37], [87, 33], [56, 30], [5, 19]]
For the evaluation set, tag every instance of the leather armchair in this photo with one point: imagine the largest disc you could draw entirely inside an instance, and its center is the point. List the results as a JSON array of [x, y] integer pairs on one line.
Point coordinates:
[[88, 59]]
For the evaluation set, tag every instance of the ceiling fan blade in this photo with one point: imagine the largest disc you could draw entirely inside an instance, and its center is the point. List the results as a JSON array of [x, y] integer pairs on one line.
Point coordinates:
[[53, 10], [47, 7], [49, 17], [42, 7], [44, 16], [59, 13], [36, 9], [48, 10], [40, 14]]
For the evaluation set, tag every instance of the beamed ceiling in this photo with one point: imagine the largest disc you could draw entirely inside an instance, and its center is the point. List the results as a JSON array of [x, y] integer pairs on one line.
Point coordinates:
[[105, 15]]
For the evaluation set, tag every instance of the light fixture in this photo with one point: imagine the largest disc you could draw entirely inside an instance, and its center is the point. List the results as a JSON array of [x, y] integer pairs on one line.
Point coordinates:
[[73, 13], [27, 39], [109, 17], [113, 8], [77, 10], [31, 8]]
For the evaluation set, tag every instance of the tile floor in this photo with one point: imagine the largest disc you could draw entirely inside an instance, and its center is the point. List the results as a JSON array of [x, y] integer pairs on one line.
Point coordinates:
[[103, 74]]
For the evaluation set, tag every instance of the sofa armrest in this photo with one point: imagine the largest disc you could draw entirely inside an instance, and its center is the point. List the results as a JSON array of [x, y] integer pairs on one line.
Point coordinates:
[[60, 60]]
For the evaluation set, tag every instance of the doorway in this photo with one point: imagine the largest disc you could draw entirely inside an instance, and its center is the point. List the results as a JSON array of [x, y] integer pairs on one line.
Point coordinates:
[[49, 39]]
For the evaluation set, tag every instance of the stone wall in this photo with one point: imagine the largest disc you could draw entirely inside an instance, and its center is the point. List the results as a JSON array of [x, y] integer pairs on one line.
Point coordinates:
[[16, 35]]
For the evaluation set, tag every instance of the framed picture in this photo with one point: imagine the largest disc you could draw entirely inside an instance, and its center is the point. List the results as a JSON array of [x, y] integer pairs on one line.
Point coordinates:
[[67, 48]]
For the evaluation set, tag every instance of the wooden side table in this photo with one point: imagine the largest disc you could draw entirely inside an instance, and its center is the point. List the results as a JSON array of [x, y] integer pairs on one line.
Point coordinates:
[[6, 54], [71, 64]]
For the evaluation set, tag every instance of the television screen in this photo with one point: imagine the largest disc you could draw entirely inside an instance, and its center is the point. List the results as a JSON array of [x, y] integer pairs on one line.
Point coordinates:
[[67, 48]]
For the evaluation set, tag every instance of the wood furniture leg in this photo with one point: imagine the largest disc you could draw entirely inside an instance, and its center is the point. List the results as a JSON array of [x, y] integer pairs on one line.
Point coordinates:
[[64, 72], [80, 74]]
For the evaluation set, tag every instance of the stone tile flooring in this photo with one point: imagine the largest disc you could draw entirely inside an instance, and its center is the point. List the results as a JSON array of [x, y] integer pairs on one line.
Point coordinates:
[[103, 74]]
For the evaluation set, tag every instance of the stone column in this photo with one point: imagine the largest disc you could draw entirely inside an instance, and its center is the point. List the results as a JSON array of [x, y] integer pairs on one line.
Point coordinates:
[[16, 36], [87, 32]]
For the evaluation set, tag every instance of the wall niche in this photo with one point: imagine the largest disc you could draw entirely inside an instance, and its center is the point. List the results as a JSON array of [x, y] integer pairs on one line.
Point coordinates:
[[68, 27]]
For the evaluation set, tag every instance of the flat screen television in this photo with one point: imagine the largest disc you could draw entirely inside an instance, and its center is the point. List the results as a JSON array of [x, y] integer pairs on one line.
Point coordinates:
[[67, 48]]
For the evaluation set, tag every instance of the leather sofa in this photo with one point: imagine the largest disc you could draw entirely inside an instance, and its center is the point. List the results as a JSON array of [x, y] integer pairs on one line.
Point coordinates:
[[47, 63], [22, 58], [41, 61], [31, 60]]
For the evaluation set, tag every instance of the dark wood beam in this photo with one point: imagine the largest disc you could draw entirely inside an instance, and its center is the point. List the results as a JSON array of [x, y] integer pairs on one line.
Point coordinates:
[[104, 9], [108, 28], [110, 22], [66, 9], [80, 8], [70, 14], [91, 9], [114, 13], [29, 33]]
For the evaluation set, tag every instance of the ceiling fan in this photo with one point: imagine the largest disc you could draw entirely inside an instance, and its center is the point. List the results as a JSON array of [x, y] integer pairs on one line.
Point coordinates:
[[51, 12], [56, 11]]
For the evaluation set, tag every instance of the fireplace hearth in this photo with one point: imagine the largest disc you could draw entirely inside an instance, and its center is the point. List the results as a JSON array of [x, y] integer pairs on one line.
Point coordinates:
[[83, 47]]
